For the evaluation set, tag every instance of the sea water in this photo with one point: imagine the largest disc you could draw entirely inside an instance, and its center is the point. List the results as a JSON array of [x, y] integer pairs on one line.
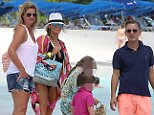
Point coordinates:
[[101, 93]]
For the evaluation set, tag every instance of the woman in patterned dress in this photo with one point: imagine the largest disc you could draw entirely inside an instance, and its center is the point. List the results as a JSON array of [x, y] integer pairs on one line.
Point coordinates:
[[45, 97]]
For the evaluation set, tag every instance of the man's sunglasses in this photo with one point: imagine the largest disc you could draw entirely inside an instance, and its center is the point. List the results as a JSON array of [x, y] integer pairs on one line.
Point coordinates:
[[57, 24], [31, 14], [133, 30]]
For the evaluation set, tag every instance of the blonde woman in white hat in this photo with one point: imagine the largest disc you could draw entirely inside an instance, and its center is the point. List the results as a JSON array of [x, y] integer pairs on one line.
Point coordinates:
[[48, 95]]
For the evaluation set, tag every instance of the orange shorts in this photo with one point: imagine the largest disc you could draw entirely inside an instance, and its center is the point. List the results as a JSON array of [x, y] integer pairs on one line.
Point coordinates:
[[129, 104]]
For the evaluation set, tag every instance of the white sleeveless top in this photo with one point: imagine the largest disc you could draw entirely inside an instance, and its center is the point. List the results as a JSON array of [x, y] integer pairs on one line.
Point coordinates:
[[27, 54]]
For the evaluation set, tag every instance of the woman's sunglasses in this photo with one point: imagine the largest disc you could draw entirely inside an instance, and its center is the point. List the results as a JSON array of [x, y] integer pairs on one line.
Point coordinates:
[[133, 30], [57, 24], [31, 14]]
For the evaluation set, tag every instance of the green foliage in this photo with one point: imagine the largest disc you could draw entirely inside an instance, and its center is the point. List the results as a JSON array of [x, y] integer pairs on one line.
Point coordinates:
[[6, 0], [83, 1]]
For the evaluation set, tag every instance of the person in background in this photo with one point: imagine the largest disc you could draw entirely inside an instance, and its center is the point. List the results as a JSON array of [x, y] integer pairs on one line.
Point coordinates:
[[69, 88], [97, 82], [45, 97], [83, 100], [133, 69], [23, 53], [120, 36]]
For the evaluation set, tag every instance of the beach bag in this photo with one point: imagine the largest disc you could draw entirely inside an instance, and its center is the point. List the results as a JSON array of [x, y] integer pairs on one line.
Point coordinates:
[[100, 109], [47, 71], [5, 61]]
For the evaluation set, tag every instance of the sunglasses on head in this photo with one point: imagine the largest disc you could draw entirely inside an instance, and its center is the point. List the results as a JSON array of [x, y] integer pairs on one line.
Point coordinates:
[[57, 24], [133, 30], [31, 14]]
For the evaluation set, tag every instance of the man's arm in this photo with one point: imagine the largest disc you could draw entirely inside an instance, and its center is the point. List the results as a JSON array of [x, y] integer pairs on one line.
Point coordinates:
[[114, 85], [151, 79]]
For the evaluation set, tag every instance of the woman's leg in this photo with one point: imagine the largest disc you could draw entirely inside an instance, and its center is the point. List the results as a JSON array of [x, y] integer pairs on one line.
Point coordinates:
[[43, 95], [35, 102], [20, 100], [52, 98], [20, 91]]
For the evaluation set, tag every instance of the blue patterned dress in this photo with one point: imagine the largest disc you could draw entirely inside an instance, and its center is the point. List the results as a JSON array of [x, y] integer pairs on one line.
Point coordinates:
[[69, 88]]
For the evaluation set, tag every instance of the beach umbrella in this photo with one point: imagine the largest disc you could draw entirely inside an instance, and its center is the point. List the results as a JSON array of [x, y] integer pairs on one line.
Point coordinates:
[[1, 3], [102, 7], [47, 7], [136, 7], [4, 9], [143, 7], [14, 4], [70, 9], [129, 4], [43, 6]]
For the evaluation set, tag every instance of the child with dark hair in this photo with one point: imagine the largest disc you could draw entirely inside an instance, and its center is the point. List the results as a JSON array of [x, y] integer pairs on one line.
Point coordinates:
[[83, 100], [97, 82], [88, 65]]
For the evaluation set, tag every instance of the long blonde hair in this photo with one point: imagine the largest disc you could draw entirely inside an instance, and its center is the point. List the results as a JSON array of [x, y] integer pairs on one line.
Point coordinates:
[[22, 10]]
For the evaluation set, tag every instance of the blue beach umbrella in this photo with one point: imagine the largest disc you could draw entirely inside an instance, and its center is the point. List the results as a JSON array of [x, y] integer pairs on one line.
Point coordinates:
[[47, 7], [70, 9], [129, 4], [4, 10], [43, 6], [14, 4], [102, 7], [143, 7]]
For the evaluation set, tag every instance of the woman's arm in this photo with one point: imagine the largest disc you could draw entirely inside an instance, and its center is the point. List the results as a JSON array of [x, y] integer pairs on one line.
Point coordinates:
[[70, 87], [20, 36]]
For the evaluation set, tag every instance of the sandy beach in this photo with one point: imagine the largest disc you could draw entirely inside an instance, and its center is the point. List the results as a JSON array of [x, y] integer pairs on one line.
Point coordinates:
[[98, 44], [78, 42]]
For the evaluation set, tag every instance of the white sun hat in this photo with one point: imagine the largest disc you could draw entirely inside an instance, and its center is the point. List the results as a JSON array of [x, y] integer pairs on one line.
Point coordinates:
[[55, 18]]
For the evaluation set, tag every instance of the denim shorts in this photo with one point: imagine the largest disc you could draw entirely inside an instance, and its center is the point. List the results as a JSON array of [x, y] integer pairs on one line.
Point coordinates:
[[23, 83]]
